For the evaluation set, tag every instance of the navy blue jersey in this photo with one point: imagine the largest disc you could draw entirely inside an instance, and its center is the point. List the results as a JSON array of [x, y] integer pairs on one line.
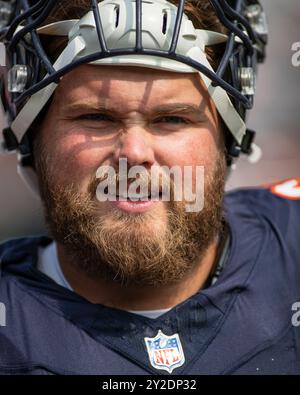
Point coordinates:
[[243, 324]]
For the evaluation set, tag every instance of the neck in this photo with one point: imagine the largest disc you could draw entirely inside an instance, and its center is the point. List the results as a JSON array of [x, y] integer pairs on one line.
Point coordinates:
[[112, 294]]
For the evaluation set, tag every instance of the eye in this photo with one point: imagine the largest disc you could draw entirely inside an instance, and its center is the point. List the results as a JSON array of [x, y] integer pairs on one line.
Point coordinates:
[[96, 117], [171, 119]]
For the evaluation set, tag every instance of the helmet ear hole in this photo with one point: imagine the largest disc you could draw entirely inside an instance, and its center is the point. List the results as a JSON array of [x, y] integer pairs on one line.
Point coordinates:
[[117, 16], [165, 22]]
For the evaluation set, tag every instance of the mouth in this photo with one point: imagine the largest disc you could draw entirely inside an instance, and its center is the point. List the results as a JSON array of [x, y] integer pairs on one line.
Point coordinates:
[[155, 196], [134, 205], [145, 198]]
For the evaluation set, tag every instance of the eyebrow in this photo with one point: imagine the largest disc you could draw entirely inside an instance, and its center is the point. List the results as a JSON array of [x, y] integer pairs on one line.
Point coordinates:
[[178, 108], [172, 108]]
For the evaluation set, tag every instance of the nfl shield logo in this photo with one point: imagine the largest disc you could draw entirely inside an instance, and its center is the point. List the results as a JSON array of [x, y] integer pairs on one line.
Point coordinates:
[[165, 352]]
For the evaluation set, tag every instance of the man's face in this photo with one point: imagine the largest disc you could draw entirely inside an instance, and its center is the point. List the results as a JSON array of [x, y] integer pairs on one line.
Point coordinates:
[[152, 118]]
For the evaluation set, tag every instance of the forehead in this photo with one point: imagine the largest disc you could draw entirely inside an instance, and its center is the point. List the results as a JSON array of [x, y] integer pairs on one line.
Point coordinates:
[[123, 84]]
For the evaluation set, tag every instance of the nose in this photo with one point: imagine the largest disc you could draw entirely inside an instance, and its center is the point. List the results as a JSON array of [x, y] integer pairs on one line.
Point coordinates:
[[135, 144]]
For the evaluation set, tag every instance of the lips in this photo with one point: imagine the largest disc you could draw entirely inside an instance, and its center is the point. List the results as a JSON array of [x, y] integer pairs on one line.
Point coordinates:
[[135, 206], [150, 197], [155, 196]]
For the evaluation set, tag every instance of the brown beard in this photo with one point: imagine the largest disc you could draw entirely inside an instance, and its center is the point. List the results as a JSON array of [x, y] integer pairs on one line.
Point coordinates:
[[132, 250]]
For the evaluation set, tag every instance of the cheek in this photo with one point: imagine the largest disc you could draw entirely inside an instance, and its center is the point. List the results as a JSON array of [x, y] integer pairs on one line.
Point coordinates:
[[194, 148], [76, 157], [203, 150], [191, 152]]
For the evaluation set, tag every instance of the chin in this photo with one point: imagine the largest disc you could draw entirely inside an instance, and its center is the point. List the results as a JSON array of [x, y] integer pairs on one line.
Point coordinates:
[[149, 223]]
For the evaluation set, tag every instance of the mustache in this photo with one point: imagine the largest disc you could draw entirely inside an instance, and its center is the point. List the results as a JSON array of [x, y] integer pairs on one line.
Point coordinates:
[[148, 180]]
